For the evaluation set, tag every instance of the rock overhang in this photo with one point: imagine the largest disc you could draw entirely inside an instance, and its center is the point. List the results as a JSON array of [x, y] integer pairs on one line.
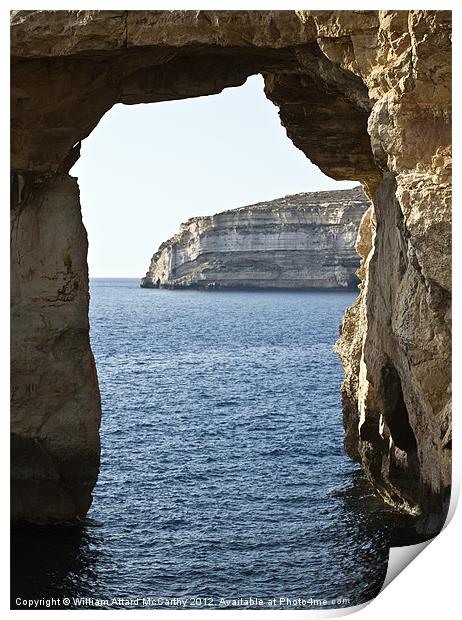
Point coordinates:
[[364, 94]]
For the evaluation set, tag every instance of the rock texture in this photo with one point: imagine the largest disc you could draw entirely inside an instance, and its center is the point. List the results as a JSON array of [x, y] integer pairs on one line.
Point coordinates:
[[365, 95], [55, 406], [302, 241]]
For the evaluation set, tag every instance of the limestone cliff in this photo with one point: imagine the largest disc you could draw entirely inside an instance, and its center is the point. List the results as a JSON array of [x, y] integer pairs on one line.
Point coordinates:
[[365, 95], [302, 241]]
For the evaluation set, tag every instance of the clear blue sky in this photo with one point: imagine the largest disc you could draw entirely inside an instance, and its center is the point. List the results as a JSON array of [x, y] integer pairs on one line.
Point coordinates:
[[146, 168]]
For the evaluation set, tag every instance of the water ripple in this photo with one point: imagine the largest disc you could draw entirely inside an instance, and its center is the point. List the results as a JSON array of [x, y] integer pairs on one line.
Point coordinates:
[[222, 473]]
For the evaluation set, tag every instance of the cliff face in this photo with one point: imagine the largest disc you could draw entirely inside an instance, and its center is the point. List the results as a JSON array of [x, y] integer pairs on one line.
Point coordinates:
[[395, 346], [302, 241], [365, 95]]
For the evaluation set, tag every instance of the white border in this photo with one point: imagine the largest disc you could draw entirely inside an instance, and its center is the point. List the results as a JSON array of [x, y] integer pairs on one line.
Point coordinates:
[[431, 586]]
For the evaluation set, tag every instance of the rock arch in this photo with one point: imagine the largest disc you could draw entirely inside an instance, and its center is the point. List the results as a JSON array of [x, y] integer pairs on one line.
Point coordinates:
[[364, 94]]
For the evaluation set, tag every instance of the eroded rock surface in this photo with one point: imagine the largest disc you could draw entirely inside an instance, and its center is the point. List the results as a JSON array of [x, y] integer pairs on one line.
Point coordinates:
[[302, 241], [365, 95]]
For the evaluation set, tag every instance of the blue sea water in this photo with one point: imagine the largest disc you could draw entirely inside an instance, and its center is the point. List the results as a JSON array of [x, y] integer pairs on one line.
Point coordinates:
[[223, 478]]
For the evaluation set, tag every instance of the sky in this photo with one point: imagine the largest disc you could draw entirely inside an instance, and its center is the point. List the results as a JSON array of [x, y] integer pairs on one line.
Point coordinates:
[[146, 168]]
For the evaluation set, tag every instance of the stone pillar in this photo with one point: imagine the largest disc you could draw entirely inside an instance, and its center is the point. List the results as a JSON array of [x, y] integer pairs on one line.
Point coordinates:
[[55, 395]]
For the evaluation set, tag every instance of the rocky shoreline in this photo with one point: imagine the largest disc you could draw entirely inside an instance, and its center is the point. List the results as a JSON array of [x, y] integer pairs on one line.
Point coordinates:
[[304, 241]]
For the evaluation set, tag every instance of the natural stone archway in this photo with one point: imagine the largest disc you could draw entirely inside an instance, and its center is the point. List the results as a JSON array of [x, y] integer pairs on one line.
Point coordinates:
[[365, 95]]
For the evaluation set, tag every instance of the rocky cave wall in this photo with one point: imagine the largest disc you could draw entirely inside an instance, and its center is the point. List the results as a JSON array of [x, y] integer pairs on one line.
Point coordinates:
[[365, 95]]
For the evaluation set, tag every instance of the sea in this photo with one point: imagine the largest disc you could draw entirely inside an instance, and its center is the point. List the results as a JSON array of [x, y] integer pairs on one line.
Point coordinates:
[[223, 482]]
